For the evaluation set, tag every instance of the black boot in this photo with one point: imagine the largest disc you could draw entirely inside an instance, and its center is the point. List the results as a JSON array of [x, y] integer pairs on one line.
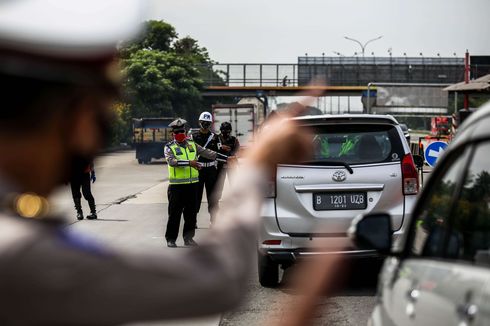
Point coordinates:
[[78, 207], [93, 212]]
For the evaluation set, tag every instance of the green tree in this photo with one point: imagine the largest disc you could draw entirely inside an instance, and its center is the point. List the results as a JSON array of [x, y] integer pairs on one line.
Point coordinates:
[[164, 75], [189, 48], [161, 84], [158, 35]]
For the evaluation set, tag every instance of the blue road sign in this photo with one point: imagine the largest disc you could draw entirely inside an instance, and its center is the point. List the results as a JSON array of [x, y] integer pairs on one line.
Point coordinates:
[[433, 151]]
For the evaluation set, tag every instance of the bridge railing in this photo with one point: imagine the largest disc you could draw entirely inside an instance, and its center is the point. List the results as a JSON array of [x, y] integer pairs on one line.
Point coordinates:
[[238, 74], [340, 72]]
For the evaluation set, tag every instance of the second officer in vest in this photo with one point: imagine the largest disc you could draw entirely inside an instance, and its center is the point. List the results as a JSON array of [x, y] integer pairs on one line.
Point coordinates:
[[183, 173]]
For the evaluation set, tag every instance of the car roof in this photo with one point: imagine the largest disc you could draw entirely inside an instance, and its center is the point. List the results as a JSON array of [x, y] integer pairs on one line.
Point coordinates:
[[475, 127], [349, 118]]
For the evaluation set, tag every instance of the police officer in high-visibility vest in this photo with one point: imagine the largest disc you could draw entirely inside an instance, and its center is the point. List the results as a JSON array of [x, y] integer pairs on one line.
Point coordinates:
[[183, 173]]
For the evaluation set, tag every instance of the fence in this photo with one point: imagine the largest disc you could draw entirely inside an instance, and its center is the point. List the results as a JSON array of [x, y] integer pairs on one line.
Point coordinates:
[[342, 71]]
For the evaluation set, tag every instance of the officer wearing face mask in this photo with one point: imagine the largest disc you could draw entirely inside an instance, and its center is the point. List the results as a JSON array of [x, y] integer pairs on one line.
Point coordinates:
[[208, 176], [183, 173], [229, 146]]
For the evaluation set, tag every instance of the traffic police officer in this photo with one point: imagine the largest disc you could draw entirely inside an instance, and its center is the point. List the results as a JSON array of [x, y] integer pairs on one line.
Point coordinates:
[[229, 146], [208, 175], [183, 173], [57, 81]]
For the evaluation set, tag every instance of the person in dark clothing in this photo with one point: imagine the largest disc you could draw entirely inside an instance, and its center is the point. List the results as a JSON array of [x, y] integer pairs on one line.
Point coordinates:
[[229, 146], [82, 180], [208, 175]]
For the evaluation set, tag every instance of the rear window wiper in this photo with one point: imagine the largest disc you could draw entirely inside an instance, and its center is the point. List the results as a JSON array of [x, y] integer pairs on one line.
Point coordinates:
[[332, 163]]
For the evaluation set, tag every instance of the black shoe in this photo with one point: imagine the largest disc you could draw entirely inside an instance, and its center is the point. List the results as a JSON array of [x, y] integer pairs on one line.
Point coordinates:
[[171, 244], [92, 216], [190, 243], [79, 215]]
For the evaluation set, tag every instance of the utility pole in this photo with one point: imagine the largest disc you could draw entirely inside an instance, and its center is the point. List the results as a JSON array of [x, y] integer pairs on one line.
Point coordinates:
[[466, 78], [363, 46]]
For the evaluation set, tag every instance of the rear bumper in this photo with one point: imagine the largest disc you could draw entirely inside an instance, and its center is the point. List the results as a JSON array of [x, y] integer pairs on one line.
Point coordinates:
[[294, 255], [294, 247]]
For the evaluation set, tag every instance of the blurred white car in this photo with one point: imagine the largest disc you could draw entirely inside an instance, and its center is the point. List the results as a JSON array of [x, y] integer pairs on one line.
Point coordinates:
[[441, 276]]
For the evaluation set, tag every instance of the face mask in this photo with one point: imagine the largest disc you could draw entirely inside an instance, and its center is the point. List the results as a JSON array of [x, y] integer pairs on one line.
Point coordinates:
[[205, 124], [180, 137], [226, 133]]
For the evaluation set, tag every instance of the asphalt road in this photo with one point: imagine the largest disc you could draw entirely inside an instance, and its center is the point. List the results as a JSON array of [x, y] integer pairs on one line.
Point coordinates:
[[132, 207]]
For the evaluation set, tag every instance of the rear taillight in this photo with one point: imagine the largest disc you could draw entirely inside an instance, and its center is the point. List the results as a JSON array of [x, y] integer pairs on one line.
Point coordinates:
[[271, 187], [410, 176], [272, 242]]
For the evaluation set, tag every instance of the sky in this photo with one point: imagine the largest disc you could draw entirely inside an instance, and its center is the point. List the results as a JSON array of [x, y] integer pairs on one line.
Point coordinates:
[[278, 31]]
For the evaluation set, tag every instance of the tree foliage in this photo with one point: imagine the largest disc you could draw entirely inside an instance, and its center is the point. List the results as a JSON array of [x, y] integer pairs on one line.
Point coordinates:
[[163, 75]]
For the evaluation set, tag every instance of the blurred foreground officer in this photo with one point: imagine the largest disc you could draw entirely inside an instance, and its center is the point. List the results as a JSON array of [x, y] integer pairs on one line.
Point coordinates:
[[82, 180], [183, 174], [57, 86]]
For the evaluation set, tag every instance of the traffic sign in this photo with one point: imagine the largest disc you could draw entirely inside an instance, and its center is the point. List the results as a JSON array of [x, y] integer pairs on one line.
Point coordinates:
[[433, 151]]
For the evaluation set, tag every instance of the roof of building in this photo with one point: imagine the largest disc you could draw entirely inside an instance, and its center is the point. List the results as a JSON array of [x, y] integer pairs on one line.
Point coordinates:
[[477, 85]]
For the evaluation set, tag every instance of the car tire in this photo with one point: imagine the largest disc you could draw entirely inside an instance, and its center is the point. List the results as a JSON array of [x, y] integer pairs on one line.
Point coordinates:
[[268, 271], [140, 161]]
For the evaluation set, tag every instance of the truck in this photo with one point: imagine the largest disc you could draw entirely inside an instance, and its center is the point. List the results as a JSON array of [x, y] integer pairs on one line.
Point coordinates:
[[245, 117], [149, 138], [440, 126]]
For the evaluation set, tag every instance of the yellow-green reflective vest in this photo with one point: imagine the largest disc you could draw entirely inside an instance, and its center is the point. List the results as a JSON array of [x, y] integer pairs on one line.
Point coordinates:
[[183, 174]]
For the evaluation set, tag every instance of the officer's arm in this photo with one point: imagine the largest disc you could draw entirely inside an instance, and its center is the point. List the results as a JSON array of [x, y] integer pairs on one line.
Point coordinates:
[[210, 154], [66, 281], [172, 160], [236, 148]]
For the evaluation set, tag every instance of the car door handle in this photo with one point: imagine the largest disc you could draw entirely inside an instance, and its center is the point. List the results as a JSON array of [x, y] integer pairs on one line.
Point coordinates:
[[413, 295], [468, 311]]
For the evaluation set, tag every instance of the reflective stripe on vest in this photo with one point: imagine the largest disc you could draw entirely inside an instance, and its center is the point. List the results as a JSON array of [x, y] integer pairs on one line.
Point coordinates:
[[183, 174]]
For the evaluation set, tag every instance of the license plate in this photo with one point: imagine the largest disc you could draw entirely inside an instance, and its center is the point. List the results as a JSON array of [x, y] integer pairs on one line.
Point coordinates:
[[338, 201]]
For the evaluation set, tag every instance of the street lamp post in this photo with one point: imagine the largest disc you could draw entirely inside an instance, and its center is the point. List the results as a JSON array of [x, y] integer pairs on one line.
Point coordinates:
[[363, 46]]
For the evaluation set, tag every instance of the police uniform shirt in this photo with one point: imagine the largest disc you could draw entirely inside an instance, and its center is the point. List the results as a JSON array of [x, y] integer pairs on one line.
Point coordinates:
[[232, 142], [202, 139], [51, 276], [202, 152]]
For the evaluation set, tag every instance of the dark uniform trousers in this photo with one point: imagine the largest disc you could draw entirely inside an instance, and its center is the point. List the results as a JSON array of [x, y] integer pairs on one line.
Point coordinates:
[[82, 181], [181, 199], [223, 172], [208, 177]]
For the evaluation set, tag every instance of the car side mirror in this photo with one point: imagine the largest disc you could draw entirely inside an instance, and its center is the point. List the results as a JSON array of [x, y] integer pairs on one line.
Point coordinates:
[[419, 161], [372, 232]]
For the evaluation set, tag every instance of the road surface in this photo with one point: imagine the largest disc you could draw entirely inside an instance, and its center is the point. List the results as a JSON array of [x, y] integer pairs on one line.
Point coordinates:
[[132, 208]]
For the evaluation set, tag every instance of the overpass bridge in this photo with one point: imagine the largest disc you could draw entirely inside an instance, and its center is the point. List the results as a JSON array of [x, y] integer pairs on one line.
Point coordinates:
[[345, 76], [407, 85], [287, 90]]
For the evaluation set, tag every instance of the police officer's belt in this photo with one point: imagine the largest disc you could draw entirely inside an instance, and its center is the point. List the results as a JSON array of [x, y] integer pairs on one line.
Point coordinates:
[[207, 165]]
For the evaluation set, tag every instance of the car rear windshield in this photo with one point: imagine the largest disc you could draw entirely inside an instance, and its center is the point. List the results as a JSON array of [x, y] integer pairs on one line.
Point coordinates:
[[356, 144]]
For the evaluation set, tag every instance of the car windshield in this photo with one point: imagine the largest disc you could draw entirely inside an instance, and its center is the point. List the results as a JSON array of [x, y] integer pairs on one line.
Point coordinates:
[[356, 144]]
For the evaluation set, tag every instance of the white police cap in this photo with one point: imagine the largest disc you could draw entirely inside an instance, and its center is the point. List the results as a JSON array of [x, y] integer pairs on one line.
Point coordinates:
[[65, 28], [65, 39], [178, 123]]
